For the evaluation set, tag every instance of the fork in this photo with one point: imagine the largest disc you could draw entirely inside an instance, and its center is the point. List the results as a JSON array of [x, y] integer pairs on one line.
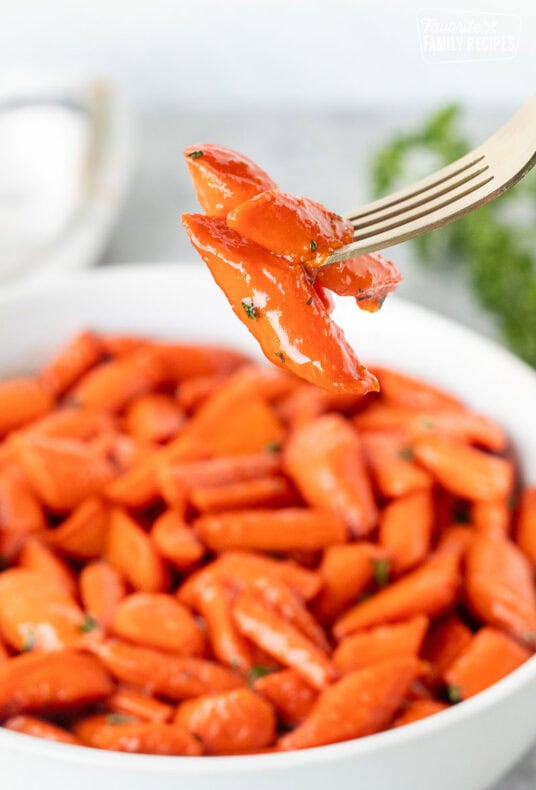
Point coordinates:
[[455, 190]]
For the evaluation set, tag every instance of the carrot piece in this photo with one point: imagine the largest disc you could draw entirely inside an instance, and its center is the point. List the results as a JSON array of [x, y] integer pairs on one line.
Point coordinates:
[[160, 621], [491, 518], [51, 682], [389, 460], [402, 390], [223, 178], [117, 345], [123, 451], [499, 586], [21, 401], [29, 725], [526, 524], [35, 556], [444, 642], [141, 737], [325, 461], [465, 471], [262, 492], [346, 572], [282, 640], [83, 534], [270, 530], [231, 722], [21, 513], [185, 361], [154, 418], [292, 697], [214, 605], [71, 423], [406, 530], [131, 551], [250, 426], [133, 703], [361, 703], [101, 590], [63, 472], [83, 352], [455, 540], [4, 655], [37, 612], [137, 487], [113, 385], [420, 709], [175, 677], [176, 541], [370, 278], [430, 590], [191, 393], [300, 229], [380, 643], [307, 402], [489, 657], [307, 343]]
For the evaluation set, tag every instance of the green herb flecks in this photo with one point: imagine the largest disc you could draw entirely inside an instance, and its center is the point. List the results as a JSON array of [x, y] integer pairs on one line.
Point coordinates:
[[309, 301], [280, 355], [89, 624], [29, 641], [454, 694], [406, 454], [381, 569], [195, 154], [250, 309], [258, 671], [313, 245], [273, 447]]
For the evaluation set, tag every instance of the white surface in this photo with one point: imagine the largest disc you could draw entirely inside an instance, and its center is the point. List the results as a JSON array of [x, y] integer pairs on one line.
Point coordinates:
[[465, 748]]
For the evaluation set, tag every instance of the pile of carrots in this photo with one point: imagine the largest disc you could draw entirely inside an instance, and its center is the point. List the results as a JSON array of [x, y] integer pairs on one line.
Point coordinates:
[[204, 556]]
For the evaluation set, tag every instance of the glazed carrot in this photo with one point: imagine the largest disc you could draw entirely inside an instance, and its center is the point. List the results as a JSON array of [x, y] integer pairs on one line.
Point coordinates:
[[39, 728], [21, 401], [133, 703], [499, 586], [21, 513], [420, 709], [291, 696], [465, 471], [324, 295], [280, 639], [346, 571], [380, 643], [389, 458], [118, 345], [131, 551], [491, 518], [444, 642], [369, 278], [488, 657], [83, 533], [406, 530], [430, 590], [192, 392], [270, 530], [401, 390], [83, 352], [233, 721], [183, 361], [155, 418], [300, 229], [63, 472], [362, 703], [115, 734], [113, 385], [175, 541], [175, 677], [262, 492], [35, 556], [308, 342], [37, 612], [214, 604], [51, 682], [250, 426], [526, 524], [325, 461], [71, 423], [223, 178], [160, 621], [101, 590], [455, 540]]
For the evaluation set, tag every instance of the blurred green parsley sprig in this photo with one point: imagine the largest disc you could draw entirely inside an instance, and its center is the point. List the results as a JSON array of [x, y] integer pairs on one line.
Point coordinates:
[[495, 245]]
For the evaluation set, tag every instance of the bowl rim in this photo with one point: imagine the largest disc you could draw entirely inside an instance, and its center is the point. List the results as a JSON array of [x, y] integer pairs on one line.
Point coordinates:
[[487, 699]]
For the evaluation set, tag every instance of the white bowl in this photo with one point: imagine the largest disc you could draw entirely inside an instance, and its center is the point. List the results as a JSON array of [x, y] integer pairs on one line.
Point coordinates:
[[464, 748]]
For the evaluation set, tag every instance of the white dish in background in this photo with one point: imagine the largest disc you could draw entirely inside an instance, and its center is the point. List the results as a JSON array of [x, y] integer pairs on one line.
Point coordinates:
[[465, 748]]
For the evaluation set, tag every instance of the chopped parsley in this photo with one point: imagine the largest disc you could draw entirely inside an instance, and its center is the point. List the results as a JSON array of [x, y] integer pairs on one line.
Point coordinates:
[[258, 671], [280, 355], [250, 309], [313, 245], [89, 624], [273, 447], [195, 154], [381, 569], [454, 694], [309, 301], [29, 641], [406, 454]]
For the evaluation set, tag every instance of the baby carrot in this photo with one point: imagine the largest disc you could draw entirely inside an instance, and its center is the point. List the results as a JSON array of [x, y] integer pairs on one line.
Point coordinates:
[[184, 361], [499, 586], [101, 590], [21, 401], [242, 569], [83, 534], [446, 639], [389, 460], [29, 725], [35, 556], [291, 695], [83, 352], [154, 418], [324, 459], [420, 709], [142, 737], [430, 590], [491, 518], [21, 513], [489, 656], [214, 604], [380, 643], [282, 530], [455, 540], [133, 703], [362, 703], [526, 524], [131, 551], [262, 492], [406, 530], [399, 389], [191, 393], [73, 423], [175, 541]]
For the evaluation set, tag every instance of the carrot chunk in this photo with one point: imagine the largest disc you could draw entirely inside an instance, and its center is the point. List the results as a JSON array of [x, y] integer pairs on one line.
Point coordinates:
[[444, 642], [420, 709], [406, 530], [21, 401], [101, 590], [214, 604], [370, 278], [142, 737], [83, 352], [406, 391], [291, 695], [29, 725], [389, 459], [175, 541], [142, 706], [21, 513], [380, 643], [131, 551], [83, 534], [154, 418]]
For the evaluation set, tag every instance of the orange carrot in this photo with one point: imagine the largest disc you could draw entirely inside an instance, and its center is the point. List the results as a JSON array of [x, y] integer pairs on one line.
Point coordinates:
[[291, 696], [155, 418], [261, 492], [39, 728], [526, 524], [455, 540], [362, 703], [214, 604], [444, 642], [130, 550], [324, 459], [83, 352], [233, 721], [175, 541], [191, 393], [491, 518], [380, 643], [21, 401], [184, 361], [489, 656], [406, 530], [369, 278], [133, 703], [112, 732], [21, 513], [499, 586], [420, 709], [430, 590], [73, 423], [101, 590], [37, 557], [389, 460], [83, 533], [399, 389]]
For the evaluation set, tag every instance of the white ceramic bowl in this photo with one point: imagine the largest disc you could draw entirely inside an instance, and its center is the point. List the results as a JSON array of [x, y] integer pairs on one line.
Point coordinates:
[[464, 748]]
